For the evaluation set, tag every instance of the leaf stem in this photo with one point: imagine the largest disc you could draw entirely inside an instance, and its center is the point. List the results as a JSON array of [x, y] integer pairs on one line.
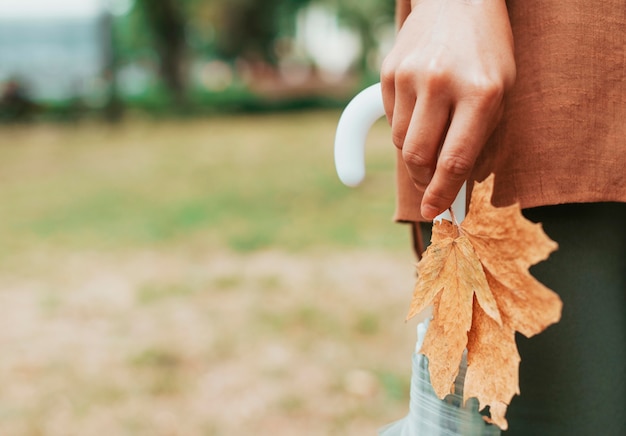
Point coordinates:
[[453, 217], [455, 222]]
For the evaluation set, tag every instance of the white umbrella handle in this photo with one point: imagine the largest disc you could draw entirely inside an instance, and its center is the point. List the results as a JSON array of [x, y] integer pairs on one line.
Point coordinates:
[[427, 414], [354, 124]]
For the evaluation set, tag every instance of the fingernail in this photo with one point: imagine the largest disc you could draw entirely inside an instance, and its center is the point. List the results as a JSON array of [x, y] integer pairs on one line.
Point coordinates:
[[429, 212]]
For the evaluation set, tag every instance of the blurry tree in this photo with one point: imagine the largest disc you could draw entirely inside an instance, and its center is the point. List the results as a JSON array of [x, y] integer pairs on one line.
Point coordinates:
[[173, 34], [250, 28], [15, 102], [113, 106], [366, 17], [166, 21], [229, 29]]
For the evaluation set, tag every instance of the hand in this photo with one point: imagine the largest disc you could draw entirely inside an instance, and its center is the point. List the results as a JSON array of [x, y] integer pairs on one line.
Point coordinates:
[[443, 88]]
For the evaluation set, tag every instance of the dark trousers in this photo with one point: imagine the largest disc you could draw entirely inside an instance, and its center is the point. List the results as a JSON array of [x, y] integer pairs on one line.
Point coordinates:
[[572, 376]]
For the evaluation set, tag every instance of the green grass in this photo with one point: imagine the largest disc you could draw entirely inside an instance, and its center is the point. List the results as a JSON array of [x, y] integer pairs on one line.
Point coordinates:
[[199, 277], [239, 182]]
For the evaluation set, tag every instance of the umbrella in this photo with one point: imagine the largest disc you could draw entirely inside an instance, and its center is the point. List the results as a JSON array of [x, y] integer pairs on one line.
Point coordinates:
[[428, 415]]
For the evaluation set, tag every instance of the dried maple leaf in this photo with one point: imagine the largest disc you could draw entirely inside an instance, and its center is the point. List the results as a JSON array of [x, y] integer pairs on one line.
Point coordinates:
[[476, 277]]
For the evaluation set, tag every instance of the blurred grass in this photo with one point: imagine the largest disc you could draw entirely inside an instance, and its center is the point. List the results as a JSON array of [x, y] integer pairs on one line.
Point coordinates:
[[241, 182], [199, 277]]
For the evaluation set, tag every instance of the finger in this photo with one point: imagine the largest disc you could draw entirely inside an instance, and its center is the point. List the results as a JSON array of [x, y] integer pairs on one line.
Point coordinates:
[[387, 82], [423, 139], [402, 113], [463, 142]]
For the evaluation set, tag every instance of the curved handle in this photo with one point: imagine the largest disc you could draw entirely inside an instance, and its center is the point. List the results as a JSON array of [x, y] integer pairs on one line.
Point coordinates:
[[354, 124]]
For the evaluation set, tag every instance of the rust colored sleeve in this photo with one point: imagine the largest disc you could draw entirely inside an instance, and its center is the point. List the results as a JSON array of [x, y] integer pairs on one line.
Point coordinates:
[[403, 8]]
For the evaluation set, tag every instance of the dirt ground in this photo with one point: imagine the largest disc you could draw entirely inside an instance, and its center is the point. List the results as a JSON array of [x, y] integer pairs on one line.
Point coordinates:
[[179, 342], [206, 277]]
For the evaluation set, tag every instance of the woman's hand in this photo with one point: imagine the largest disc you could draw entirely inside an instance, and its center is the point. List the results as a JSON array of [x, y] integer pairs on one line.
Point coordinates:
[[443, 87]]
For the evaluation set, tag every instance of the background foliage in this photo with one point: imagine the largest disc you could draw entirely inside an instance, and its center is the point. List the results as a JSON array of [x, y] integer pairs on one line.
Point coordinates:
[[194, 56]]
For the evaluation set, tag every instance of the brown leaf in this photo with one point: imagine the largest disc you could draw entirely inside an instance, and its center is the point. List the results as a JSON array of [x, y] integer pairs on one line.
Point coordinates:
[[450, 274], [506, 242], [477, 278], [450, 262], [430, 267], [492, 365]]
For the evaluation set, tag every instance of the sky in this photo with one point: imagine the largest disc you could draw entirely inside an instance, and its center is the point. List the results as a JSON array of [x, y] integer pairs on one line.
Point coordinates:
[[19, 9]]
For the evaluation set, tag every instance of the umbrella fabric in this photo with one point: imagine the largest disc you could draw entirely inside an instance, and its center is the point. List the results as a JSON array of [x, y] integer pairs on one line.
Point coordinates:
[[429, 415]]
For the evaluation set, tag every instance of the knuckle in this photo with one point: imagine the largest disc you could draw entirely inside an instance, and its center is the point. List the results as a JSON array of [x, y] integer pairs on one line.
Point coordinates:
[[404, 76], [435, 78], [387, 72], [489, 92], [456, 166], [494, 90], [413, 158]]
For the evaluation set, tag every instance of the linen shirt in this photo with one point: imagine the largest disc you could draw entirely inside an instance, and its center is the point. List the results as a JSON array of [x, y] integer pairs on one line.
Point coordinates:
[[562, 137]]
